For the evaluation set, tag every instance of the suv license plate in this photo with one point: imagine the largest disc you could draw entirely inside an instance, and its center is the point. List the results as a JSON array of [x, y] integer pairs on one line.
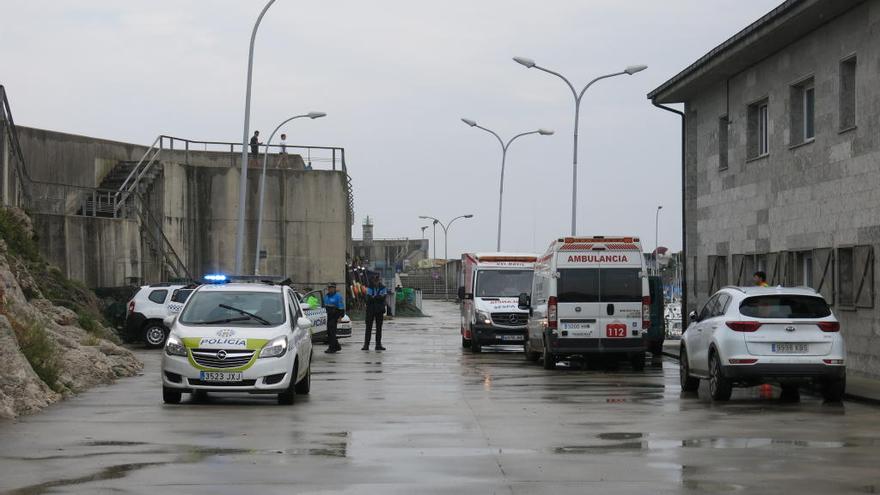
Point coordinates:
[[221, 376], [511, 337], [790, 348]]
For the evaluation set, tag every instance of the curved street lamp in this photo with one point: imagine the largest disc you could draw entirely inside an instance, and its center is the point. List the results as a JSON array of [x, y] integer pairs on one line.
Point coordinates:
[[445, 247], [242, 188], [530, 64], [504, 146], [311, 115]]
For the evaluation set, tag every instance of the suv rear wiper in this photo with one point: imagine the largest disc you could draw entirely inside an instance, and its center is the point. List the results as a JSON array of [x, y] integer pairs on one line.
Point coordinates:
[[258, 318]]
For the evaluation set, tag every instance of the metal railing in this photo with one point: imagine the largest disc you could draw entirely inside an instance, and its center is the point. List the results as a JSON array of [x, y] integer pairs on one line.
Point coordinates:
[[156, 236]]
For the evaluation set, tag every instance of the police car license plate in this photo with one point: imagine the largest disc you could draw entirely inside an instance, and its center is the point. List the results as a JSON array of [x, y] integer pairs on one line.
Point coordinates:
[[511, 337], [790, 348], [221, 376]]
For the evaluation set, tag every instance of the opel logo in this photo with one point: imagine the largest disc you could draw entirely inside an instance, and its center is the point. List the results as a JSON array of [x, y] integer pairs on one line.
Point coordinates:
[[225, 333], [789, 329], [221, 354]]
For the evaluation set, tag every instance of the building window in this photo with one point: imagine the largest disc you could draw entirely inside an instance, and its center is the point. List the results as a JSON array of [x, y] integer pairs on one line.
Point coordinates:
[[803, 99], [845, 276], [723, 125], [805, 269], [758, 134], [848, 93]]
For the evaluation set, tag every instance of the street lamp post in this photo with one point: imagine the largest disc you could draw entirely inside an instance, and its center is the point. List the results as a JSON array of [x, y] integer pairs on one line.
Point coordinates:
[[242, 188], [311, 115], [578, 96], [445, 248], [504, 147], [657, 239]]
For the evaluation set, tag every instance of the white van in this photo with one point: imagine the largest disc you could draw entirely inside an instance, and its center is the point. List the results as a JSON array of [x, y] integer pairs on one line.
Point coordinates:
[[491, 285], [590, 296]]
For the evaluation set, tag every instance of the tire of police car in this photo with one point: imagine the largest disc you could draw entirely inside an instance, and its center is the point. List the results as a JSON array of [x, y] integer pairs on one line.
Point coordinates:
[[155, 334], [687, 382], [171, 396], [287, 397], [548, 358], [720, 387], [305, 385]]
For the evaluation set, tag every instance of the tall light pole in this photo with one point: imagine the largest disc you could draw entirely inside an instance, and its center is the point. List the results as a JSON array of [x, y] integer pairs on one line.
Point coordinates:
[[311, 115], [242, 188], [657, 239], [578, 96], [504, 146], [445, 248]]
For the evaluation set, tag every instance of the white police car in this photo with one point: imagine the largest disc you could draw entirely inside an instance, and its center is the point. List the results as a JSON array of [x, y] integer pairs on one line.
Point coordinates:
[[238, 337]]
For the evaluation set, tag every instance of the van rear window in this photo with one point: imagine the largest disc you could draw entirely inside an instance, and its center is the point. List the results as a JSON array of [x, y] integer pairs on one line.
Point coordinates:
[[785, 306], [599, 285], [578, 285]]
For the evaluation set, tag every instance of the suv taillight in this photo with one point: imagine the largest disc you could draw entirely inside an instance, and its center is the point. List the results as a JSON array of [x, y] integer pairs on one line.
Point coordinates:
[[646, 312], [131, 306], [551, 312], [829, 326], [744, 326]]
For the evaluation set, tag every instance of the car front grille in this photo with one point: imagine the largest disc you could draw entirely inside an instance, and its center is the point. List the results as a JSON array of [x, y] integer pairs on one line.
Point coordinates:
[[510, 319], [222, 358]]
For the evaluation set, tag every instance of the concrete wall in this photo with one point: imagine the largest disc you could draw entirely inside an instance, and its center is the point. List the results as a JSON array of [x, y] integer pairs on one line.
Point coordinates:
[[801, 198], [306, 230]]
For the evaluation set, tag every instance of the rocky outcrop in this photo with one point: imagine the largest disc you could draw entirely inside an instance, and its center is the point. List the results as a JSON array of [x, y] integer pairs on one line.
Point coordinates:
[[44, 354]]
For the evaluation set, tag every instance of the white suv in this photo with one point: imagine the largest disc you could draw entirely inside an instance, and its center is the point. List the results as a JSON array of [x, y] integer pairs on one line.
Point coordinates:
[[745, 336], [239, 337], [146, 310]]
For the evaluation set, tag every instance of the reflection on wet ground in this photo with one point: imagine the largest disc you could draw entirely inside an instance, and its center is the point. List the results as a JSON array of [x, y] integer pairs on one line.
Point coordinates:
[[430, 417]]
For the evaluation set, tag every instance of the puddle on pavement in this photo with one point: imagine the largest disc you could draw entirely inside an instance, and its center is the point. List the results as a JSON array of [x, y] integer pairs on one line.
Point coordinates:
[[619, 436], [184, 454]]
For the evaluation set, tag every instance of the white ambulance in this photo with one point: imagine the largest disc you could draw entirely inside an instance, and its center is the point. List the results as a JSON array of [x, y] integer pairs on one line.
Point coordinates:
[[590, 296], [491, 285]]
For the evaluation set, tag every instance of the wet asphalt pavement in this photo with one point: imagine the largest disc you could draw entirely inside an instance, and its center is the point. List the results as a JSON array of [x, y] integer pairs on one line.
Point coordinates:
[[425, 417]]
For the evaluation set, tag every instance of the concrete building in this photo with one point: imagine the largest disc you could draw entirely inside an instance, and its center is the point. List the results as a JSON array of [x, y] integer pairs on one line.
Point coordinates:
[[781, 161], [112, 214], [388, 256]]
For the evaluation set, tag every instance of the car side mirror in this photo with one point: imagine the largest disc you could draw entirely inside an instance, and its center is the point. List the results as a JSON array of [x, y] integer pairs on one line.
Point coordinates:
[[304, 322], [692, 316], [524, 301], [168, 321]]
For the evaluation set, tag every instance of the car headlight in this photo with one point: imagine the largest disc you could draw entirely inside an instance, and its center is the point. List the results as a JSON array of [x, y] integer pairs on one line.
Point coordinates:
[[275, 347], [174, 347], [483, 317]]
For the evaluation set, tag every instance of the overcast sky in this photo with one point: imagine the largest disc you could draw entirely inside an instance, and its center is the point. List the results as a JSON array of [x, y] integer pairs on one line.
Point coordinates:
[[395, 77]]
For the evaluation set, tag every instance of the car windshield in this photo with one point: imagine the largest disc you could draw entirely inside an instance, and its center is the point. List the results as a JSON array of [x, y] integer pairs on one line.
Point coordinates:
[[243, 308], [504, 283], [785, 306], [181, 295], [599, 285]]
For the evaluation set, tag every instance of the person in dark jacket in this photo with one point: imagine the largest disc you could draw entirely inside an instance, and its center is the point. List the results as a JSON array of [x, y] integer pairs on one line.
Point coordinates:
[[375, 312], [255, 143]]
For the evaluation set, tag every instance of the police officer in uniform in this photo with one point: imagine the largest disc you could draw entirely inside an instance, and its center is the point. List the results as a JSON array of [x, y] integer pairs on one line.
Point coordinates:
[[335, 311], [375, 312]]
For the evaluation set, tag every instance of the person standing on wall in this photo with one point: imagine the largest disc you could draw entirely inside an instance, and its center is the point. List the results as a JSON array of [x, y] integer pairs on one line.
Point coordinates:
[[376, 293], [335, 307], [255, 143]]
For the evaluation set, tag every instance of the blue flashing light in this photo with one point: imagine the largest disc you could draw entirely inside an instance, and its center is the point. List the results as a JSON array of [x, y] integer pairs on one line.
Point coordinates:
[[216, 278]]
